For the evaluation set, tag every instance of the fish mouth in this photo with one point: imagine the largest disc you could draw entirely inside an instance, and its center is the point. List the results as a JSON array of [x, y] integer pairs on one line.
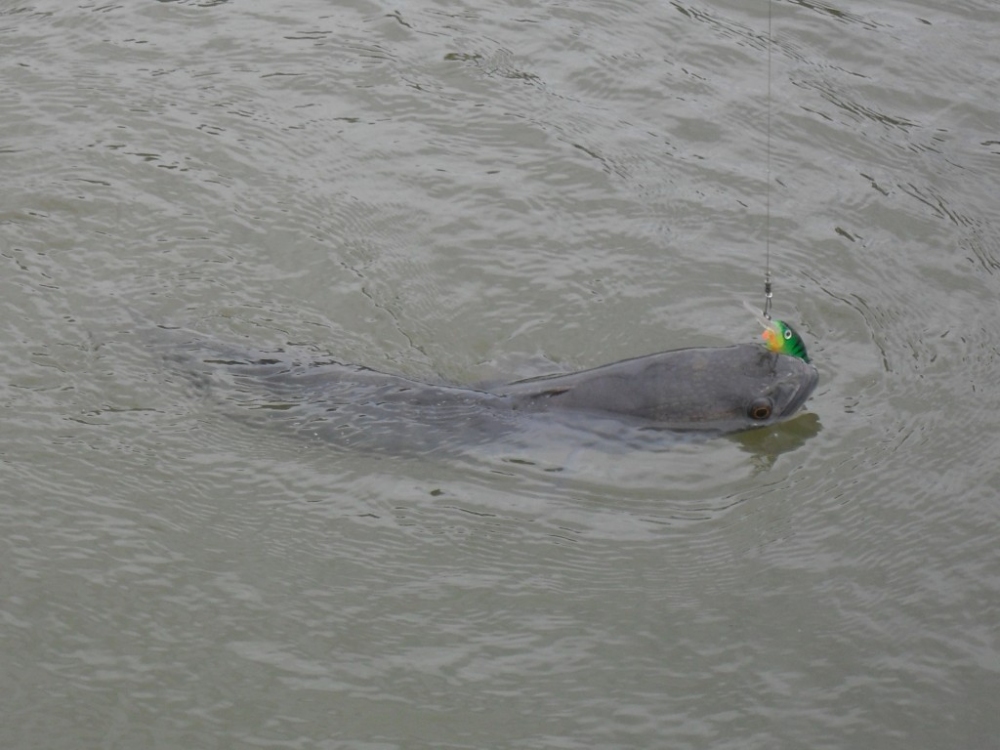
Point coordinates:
[[802, 383]]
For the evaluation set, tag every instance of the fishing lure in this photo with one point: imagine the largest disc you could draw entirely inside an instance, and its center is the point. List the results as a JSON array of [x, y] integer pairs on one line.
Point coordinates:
[[779, 336]]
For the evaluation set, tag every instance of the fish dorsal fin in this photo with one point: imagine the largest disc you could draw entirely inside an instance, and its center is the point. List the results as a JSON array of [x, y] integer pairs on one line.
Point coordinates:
[[550, 392]]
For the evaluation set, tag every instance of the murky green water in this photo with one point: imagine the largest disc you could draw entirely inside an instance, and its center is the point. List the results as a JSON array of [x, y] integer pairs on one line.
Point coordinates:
[[463, 190]]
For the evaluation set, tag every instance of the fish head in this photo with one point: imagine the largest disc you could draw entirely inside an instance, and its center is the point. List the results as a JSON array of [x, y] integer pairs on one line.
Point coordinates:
[[774, 386], [735, 388], [715, 390]]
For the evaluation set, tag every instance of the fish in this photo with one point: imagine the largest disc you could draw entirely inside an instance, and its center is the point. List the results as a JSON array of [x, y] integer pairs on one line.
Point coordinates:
[[711, 390]]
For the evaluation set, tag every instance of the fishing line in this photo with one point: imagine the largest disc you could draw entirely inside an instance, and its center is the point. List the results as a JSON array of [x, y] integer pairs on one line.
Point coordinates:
[[767, 189], [778, 335]]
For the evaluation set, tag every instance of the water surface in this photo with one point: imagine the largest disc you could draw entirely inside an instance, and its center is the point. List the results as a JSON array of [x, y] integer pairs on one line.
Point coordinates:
[[470, 190]]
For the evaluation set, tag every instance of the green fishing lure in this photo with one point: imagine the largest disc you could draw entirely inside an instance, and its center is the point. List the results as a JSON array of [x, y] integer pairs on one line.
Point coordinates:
[[779, 336]]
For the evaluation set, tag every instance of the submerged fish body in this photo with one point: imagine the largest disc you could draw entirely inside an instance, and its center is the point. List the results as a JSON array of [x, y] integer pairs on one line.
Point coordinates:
[[711, 390]]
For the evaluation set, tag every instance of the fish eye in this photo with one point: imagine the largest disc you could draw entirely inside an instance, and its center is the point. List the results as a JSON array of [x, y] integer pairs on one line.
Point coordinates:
[[760, 409]]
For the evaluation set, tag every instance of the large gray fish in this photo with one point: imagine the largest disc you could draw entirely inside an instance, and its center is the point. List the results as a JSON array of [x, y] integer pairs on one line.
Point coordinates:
[[711, 390]]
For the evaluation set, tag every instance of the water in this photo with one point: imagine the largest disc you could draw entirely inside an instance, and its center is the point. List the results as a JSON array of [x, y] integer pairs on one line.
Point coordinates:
[[463, 190]]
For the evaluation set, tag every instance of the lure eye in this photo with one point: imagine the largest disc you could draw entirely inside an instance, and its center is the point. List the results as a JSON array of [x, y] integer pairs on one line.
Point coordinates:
[[788, 334], [760, 409]]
